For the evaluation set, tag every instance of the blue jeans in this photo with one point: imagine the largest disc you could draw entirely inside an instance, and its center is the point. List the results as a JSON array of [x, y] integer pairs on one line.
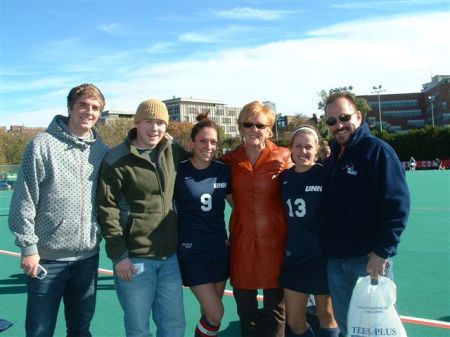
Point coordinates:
[[342, 277], [73, 281], [157, 289]]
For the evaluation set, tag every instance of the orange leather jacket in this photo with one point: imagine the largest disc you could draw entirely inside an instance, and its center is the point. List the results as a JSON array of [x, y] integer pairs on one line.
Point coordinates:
[[258, 224]]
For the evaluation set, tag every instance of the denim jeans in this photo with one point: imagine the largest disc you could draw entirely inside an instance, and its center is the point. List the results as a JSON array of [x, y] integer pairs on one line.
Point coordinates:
[[342, 277], [156, 291], [73, 281]]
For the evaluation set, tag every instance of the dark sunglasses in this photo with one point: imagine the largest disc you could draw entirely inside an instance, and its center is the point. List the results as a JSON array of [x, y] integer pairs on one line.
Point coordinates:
[[330, 121], [258, 125]]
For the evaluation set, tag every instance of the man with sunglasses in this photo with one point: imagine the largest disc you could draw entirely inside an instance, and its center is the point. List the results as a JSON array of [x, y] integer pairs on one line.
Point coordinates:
[[366, 206]]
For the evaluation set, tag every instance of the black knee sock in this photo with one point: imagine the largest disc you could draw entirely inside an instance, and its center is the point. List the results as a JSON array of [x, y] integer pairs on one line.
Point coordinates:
[[206, 329]]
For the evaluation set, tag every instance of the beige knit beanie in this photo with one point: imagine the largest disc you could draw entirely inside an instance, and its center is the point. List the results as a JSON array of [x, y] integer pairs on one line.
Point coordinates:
[[152, 109]]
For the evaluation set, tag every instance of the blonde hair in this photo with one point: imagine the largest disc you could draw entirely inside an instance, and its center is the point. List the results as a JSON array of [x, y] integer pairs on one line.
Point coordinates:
[[305, 129], [256, 108]]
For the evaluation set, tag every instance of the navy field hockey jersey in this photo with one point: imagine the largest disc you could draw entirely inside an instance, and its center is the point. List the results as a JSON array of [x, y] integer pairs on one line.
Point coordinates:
[[200, 204], [302, 197]]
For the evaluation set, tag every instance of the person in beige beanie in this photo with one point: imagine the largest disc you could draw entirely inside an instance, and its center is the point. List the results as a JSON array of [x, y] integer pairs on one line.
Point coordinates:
[[139, 224], [151, 121], [152, 109]]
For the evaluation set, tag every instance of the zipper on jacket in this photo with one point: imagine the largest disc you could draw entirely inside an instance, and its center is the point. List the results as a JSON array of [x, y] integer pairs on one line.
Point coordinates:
[[82, 201], [163, 188], [158, 174]]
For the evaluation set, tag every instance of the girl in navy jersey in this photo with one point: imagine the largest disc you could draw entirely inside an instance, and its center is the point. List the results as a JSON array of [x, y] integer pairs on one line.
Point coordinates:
[[201, 187], [304, 269]]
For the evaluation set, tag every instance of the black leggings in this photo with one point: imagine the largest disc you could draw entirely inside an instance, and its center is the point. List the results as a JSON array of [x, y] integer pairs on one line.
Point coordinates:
[[268, 322]]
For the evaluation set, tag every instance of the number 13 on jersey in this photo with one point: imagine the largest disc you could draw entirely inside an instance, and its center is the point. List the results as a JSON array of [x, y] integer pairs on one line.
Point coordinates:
[[299, 208]]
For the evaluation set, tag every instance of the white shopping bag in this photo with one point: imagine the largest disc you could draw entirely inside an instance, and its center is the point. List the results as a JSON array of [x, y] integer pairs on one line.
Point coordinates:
[[372, 311]]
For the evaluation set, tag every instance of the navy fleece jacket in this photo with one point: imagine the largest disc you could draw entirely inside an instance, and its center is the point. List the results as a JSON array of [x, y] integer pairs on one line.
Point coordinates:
[[367, 200]]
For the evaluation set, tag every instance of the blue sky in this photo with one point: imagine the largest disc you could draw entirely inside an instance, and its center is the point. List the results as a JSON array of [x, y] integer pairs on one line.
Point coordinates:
[[234, 51]]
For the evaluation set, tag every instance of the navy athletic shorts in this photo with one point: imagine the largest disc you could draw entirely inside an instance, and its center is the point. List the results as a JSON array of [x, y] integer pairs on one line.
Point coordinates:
[[201, 270], [309, 277]]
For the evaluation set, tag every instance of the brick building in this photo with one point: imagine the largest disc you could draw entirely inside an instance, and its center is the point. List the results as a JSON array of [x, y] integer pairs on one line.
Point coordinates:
[[405, 111]]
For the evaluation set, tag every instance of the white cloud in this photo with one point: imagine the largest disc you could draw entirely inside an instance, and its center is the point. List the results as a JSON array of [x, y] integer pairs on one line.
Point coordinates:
[[198, 37], [217, 35], [246, 13], [112, 28], [399, 53], [159, 47], [386, 3]]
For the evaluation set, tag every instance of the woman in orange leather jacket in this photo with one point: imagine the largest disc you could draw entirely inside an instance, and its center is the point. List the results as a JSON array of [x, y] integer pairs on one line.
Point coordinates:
[[258, 225]]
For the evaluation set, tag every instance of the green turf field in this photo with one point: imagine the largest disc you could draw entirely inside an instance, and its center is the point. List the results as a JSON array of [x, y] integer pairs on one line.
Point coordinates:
[[422, 272]]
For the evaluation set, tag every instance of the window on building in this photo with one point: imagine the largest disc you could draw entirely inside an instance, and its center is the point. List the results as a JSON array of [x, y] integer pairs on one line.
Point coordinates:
[[407, 103], [395, 128], [402, 113], [416, 122], [232, 112], [193, 110]]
